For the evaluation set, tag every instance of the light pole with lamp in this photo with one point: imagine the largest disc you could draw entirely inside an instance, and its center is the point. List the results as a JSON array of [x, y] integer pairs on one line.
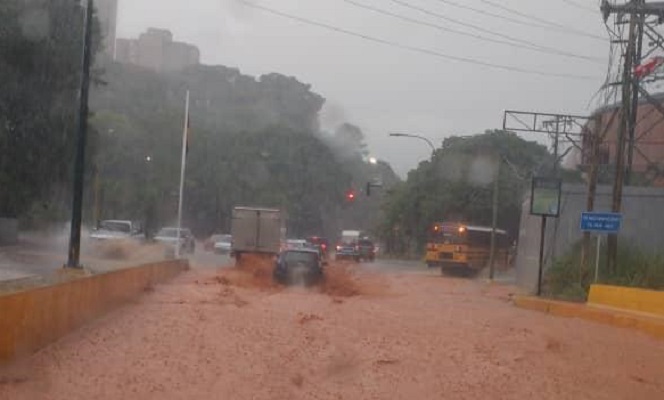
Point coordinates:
[[408, 135]]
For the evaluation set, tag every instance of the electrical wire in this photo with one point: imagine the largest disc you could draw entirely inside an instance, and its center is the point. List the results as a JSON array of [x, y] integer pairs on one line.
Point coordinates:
[[415, 49], [509, 19], [541, 20], [512, 41], [580, 6]]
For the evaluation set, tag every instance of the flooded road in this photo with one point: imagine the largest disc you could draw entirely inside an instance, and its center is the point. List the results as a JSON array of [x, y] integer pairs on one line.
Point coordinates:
[[391, 331]]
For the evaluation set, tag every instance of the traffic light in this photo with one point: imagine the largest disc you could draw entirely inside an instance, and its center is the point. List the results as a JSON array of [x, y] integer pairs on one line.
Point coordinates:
[[350, 195], [368, 189]]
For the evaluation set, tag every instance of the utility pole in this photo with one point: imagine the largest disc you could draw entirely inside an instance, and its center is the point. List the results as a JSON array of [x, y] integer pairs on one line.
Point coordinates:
[[494, 217], [624, 129], [74, 254], [635, 90]]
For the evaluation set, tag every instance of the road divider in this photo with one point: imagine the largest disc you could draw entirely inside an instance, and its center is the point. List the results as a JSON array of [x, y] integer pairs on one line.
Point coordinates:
[[649, 323], [34, 318], [626, 298]]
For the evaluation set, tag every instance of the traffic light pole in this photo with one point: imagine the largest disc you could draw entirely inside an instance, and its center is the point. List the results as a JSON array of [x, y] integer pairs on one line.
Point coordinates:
[[74, 254]]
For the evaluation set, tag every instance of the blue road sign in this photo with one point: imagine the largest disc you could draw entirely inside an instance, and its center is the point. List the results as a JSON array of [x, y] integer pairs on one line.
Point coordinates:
[[601, 222]]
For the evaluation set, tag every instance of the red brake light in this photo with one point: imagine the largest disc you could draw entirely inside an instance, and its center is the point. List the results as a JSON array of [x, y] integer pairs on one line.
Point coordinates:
[[324, 246]]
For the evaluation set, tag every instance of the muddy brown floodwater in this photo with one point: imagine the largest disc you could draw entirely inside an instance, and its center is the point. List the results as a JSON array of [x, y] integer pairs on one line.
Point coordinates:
[[233, 334]]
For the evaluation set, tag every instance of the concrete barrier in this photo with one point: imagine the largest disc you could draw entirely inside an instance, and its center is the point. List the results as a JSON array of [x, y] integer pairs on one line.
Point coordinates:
[[625, 298], [650, 324], [32, 319]]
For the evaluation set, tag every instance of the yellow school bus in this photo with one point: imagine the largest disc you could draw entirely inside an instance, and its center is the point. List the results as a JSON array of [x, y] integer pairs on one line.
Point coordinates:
[[457, 245]]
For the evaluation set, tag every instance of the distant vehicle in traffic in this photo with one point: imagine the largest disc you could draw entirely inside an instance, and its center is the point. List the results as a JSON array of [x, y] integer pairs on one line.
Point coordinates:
[[256, 231], [367, 250], [299, 266], [464, 248], [321, 243], [348, 247], [208, 245], [223, 244], [115, 229], [169, 236], [294, 244]]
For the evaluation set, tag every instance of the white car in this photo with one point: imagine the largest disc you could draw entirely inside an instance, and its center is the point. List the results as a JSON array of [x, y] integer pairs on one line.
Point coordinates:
[[223, 244], [115, 229], [169, 236]]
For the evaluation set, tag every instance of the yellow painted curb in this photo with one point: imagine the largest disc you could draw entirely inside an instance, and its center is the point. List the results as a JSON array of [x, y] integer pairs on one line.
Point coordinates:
[[34, 318], [625, 298], [651, 324]]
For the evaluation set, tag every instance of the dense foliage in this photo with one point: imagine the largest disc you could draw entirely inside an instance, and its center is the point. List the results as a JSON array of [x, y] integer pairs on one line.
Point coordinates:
[[636, 267], [40, 57], [253, 142], [457, 185]]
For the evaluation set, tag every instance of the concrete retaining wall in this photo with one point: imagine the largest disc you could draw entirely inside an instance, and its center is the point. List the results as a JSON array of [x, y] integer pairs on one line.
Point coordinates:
[[34, 318], [8, 231]]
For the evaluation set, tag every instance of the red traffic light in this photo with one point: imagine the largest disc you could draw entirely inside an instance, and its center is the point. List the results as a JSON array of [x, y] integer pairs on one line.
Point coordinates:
[[350, 195]]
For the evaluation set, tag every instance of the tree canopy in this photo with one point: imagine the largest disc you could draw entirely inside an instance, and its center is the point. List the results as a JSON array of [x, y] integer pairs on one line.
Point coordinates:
[[40, 57], [253, 142], [457, 185]]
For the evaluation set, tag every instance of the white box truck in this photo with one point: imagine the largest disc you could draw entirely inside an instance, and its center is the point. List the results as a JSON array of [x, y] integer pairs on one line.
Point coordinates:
[[256, 231]]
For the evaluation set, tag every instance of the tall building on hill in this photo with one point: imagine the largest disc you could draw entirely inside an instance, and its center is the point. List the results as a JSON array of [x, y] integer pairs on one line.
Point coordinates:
[[107, 13], [156, 50]]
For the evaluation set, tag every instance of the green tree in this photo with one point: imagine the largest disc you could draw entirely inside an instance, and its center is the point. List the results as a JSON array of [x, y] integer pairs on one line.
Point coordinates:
[[457, 185], [40, 53], [253, 142]]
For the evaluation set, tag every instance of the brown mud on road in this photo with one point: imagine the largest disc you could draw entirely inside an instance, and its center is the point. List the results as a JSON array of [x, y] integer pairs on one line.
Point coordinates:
[[233, 334]]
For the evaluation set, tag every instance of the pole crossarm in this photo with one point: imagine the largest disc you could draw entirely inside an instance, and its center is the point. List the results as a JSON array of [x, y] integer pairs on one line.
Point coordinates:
[[526, 121]]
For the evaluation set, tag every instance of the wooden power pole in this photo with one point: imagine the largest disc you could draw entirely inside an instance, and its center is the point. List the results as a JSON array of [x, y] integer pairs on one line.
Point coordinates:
[[625, 126]]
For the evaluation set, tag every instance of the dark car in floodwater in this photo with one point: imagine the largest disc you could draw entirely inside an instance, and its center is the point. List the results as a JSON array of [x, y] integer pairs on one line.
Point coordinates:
[[299, 267]]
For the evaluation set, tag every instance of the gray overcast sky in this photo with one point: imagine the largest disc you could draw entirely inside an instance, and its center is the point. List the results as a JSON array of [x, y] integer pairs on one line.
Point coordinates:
[[383, 88]]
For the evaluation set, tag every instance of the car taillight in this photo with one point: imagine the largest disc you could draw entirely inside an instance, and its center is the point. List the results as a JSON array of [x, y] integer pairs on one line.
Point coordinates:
[[338, 247], [323, 246]]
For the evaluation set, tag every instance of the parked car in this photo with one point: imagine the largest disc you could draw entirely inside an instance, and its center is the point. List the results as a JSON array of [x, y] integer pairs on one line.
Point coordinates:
[[299, 266], [169, 236], [223, 244]]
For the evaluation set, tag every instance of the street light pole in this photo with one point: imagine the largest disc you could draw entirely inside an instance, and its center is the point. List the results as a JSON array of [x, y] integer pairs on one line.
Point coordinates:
[[74, 254], [408, 135]]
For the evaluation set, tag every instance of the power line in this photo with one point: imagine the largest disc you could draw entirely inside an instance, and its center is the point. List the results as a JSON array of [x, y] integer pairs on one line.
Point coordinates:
[[414, 48], [525, 43], [510, 19], [580, 6], [541, 20]]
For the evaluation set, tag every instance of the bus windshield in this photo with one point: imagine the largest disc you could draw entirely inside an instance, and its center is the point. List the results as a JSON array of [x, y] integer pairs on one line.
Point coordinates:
[[447, 235]]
